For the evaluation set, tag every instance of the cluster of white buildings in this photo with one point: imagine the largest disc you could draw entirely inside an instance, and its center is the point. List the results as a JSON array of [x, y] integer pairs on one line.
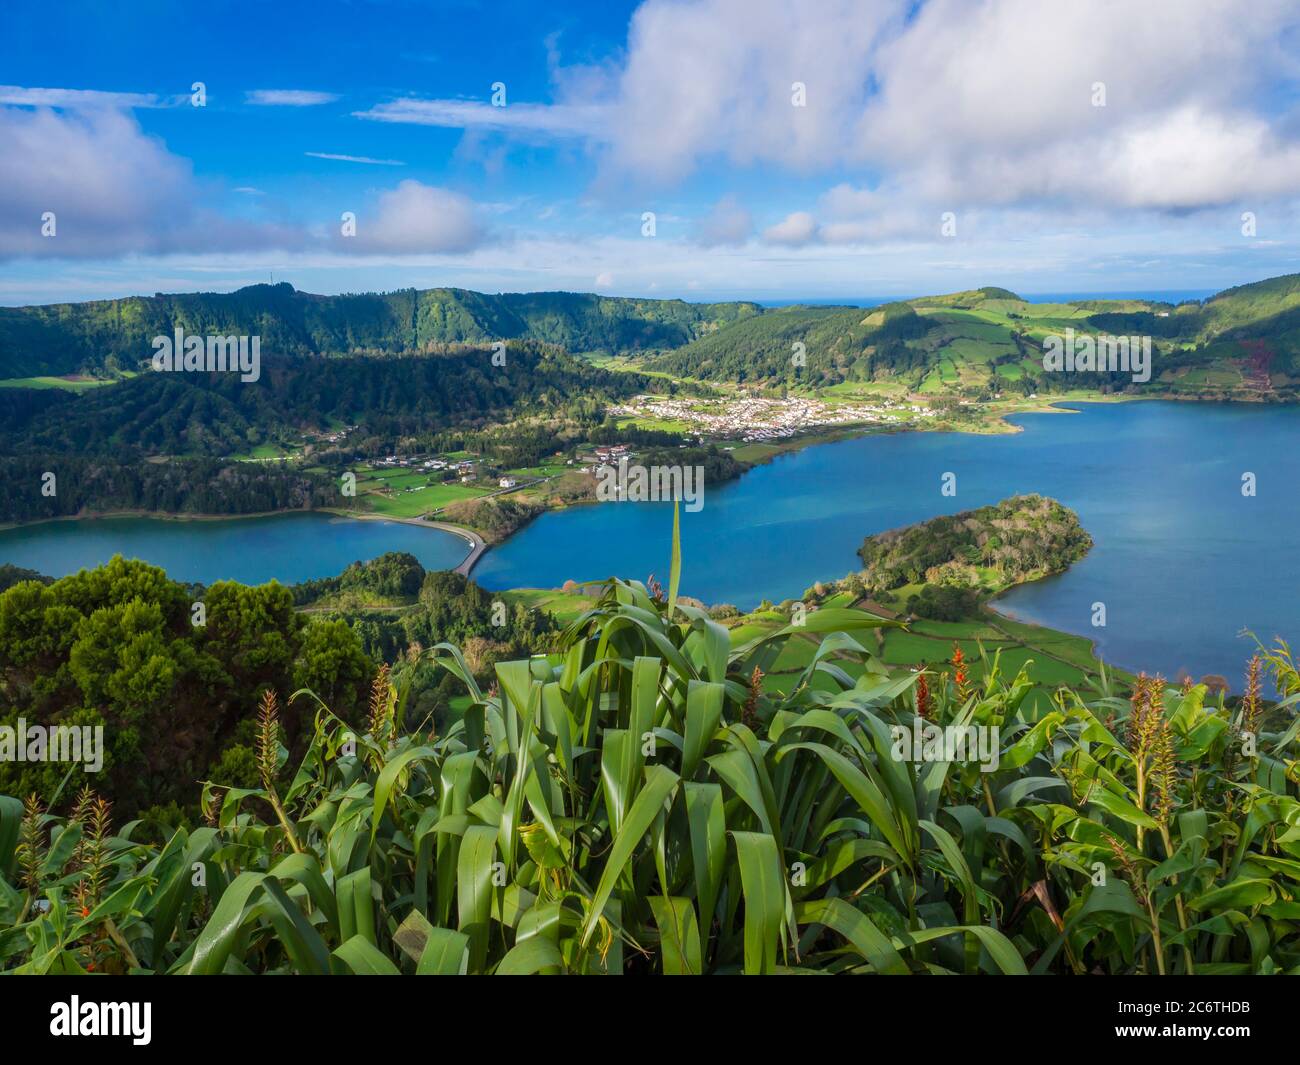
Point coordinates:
[[338, 436], [604, 457], [465, 469], [756, 418]]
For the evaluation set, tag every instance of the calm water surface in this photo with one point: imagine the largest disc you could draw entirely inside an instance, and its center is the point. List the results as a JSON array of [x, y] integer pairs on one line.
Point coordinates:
[[1183, 561], [284, 547]]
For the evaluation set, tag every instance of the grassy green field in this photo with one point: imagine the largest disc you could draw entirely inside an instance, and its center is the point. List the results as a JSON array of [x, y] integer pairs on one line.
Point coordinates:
[[420, 501], [863, 390], [550, 470], [71, 383], [1051, 658], [405, 493], [667, 425], [1208, 377], [564, 605], [754, 452], [262, 453]]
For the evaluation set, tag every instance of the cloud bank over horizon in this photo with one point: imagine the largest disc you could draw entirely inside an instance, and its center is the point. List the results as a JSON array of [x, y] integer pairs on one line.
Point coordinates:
[[819, 150]]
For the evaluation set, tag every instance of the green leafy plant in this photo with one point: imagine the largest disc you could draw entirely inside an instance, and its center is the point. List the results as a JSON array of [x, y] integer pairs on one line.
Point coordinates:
[[650, 798]]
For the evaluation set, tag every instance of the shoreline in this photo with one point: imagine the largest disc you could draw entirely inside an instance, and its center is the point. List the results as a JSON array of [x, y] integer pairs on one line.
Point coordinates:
[[157, 515], [476, 542], [479, 545], [997, 424], [991, 605]]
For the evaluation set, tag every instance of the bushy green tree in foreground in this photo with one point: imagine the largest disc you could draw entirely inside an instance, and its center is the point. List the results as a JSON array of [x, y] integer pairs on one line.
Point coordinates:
[[123, 647], [644, 801]]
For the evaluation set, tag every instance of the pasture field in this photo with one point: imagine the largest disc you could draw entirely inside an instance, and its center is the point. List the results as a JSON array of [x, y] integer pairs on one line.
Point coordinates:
[[70, 383]]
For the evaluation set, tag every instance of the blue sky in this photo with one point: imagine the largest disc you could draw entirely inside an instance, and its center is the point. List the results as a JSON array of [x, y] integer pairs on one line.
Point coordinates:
[[847, 149]]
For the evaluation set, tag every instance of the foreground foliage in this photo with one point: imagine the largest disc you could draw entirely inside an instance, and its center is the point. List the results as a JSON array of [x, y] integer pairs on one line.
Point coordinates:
[[639, 802]]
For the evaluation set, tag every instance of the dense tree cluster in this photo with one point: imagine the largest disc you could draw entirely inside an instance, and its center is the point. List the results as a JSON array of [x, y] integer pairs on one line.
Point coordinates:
[[41, 486], [11, 575], [395, 574], [495, 517], [122, 646], [1019, 539], [838, 343], [719, 466], [118, 646], [110, 335], [392, 397], [944, 602]]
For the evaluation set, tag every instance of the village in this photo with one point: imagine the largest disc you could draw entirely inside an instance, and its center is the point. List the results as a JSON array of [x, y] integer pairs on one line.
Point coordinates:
[[589, 459], [411, 483], [758, 418]]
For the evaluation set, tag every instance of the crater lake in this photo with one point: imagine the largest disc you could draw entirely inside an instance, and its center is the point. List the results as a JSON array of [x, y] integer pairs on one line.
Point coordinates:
[[1183, 560]]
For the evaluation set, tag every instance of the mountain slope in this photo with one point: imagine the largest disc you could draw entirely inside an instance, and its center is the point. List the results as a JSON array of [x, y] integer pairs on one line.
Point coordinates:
[[217, 414], [116, 334], [1245, 340]]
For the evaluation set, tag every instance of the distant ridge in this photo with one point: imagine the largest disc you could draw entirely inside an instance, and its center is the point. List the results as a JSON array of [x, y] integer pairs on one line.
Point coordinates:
[[1246, 337], [1241, 343], [116, 334]]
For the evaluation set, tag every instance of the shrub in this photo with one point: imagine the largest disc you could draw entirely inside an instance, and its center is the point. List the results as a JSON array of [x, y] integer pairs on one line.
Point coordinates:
[[645, 801]]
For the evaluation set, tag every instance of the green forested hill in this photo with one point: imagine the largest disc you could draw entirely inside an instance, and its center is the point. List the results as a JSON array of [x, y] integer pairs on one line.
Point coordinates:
[[161, 441], [218, 414], [1244, 340], [116, 334], [839, 343]]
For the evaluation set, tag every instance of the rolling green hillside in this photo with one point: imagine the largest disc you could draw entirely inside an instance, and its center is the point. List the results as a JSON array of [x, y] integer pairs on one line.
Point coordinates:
[[218, 414], [1244, 341], [113, 335]]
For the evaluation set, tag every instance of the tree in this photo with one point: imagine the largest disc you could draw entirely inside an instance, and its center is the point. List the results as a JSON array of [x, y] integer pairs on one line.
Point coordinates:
[[116, 647], [331, 660]]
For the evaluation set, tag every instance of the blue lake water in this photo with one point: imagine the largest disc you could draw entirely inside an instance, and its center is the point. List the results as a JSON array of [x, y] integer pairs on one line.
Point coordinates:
[[284, 547], [1183, 561]]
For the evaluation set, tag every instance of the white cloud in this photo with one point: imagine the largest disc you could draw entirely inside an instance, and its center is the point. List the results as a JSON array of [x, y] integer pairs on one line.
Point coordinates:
[[355, 159], [557, 120], [983, 107], [116, 192], [18, 96], [994, 103], [854, 215], [794, 230], [112, 189], [415, 217], [288, 98], [947, 102], [715, 79], [727, 223]]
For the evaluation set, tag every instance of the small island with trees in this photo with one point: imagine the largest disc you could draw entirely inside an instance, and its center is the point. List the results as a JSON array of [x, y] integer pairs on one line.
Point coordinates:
[[945, 568]]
